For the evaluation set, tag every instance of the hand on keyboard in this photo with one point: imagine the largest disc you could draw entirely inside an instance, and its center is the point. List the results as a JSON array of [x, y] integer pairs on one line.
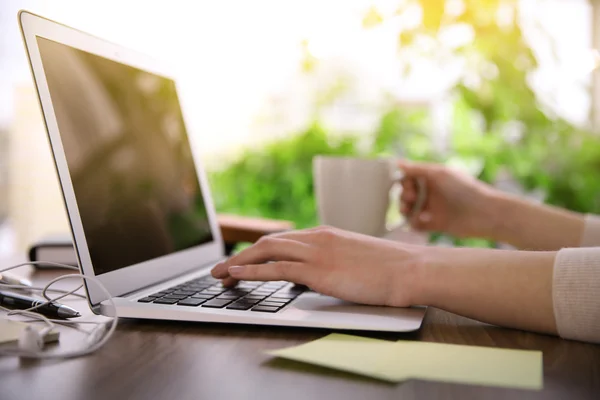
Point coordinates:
[[334, 262]]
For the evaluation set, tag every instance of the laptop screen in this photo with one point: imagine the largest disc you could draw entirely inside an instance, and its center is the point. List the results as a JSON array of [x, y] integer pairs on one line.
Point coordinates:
[[128, 156]]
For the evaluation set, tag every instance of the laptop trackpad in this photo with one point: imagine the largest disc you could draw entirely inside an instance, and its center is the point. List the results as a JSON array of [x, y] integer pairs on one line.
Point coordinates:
[[316, 307]]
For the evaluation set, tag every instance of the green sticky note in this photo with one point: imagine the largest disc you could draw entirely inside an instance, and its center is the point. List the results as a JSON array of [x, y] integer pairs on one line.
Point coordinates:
[[399, 361]]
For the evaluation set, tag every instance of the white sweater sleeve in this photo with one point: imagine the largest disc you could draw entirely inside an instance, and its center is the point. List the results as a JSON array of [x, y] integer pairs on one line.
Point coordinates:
[[576, 287]]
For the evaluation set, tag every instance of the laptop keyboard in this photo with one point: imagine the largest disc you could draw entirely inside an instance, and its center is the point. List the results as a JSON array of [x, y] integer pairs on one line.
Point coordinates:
[[209, 292]]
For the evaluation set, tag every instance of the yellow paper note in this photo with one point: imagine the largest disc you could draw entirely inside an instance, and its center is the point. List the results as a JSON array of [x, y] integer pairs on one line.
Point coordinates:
[[398, 361], [466, 364], [355, 354]]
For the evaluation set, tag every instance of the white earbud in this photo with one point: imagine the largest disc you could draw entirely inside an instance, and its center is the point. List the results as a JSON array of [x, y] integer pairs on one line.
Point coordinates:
[[31, 340]]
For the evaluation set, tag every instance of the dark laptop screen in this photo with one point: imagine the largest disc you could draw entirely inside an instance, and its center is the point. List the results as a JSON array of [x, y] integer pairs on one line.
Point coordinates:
[[128, 155]]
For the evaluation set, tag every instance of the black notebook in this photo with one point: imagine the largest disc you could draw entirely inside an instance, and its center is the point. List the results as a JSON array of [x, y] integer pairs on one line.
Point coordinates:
[[58, 249]]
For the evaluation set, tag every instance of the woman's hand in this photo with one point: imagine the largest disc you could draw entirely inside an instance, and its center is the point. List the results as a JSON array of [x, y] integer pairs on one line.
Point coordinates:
[[455, 203], [330, 261], [489, 285], [465, 207]]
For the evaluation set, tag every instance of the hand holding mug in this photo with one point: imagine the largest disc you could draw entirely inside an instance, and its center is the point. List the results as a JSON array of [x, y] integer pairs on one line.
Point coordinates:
[[354, 193], [456, 203]]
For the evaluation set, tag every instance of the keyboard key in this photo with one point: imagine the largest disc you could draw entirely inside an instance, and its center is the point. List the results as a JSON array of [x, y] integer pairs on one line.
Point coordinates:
[[213, 290], [203, 296], [175, 296], [255, 296], [271, 304], [163, 293], [216, 303], [166, 301], [186, 292], [275, 300], [265, 309], [280, 298], [148, 299], [238, 291], [191, 302], [240, 306], [249, 301], [229, 297], [263, 292]]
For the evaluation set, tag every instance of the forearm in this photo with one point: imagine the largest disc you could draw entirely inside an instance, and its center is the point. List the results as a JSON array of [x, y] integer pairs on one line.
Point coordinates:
[[506, 288], [531, 226]]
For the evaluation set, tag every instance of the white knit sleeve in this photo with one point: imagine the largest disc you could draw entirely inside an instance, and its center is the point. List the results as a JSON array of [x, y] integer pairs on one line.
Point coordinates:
[[576, 292]]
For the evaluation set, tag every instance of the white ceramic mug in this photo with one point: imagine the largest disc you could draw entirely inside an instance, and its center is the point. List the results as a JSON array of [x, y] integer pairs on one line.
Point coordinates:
[[354, 193]]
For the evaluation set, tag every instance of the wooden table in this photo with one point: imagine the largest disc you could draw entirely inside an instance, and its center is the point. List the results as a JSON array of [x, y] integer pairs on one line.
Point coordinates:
[[178, 361]]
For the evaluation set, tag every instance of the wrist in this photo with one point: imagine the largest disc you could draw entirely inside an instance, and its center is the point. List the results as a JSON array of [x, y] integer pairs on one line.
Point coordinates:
[[496, 215], [439, 274], [427, 269]]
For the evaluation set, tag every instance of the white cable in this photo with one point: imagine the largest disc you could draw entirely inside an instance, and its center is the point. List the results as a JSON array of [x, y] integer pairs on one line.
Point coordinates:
[[39, 289], [47, 263], [70, 324], [64, 322], [95, 345], [53, 264]]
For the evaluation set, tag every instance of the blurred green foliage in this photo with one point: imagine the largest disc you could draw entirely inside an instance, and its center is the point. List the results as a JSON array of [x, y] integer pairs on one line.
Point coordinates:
[[497, 123], [276, 181]]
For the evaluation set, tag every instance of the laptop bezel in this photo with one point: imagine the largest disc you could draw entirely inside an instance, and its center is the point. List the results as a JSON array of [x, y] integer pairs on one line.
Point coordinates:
[[134, 277]]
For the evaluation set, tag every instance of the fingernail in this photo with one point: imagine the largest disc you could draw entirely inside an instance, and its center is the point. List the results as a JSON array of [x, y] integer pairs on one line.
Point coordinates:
[[235, 270]]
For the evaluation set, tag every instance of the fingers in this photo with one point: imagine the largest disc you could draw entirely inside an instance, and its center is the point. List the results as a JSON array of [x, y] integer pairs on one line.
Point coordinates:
[[427, 170], [409, 198], [409, 191], [276, 271], [303, 236], [306, 236], [229, 282], [267, 249], [412, 206]]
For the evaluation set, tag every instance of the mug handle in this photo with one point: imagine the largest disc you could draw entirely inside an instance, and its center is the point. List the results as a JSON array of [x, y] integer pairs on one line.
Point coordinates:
[[397, 177]]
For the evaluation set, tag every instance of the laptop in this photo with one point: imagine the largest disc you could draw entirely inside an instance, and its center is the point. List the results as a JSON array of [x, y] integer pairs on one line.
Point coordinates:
[[137, 198]]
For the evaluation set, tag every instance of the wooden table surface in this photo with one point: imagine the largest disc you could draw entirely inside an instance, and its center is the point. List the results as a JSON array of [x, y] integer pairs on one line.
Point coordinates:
[[179, 360]]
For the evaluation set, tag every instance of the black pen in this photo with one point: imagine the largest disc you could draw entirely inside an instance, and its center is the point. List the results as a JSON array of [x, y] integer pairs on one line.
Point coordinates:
[[55, 310]]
